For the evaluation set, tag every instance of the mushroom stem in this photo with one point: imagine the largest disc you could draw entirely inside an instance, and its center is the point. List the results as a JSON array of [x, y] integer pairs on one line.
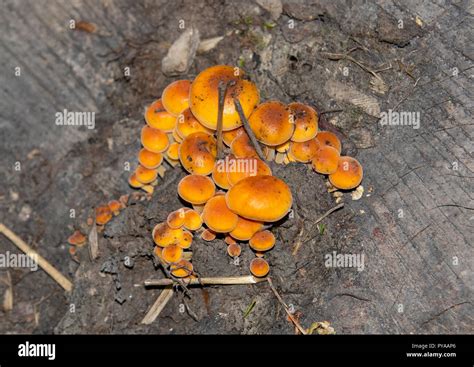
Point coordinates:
[[248, 130], [247, 279], [222, 91]]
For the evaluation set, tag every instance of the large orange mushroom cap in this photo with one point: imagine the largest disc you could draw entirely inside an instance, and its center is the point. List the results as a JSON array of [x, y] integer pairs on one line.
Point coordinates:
[[326, 160], [217, 215], [164, 236], [186, 124], [175, 97], [196, 189], [154, 140], [158, 118], [306, 122], [197, 153], [261, 198], [348, 175], [204, 96], [272, 123]]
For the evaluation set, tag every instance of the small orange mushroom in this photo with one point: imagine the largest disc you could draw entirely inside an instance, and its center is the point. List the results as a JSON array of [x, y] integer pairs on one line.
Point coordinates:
[[149, 159], [329, 138], [217, 215], [158, 118], [103, 214], [175, 97], [188, 124], [229, 136], [145, 175], [229, 240], [272, 123], [326, 160], [114, 206], [262, 241], [234, 250], [165, 236], [306, 122], [242, 147], [173, 151], [192, 220], [208, 235], [181, 269], [196, 189], [154, 140], [133, 181], [77, 239], [219, 175], [197, 153], [204, 96], [245, 229], [186, 241], [172, 254], [176, 219], [259, 267], [348, 175], [303, 152]]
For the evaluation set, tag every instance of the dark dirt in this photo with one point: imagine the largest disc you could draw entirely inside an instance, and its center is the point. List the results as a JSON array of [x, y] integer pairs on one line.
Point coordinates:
[[409, 260]]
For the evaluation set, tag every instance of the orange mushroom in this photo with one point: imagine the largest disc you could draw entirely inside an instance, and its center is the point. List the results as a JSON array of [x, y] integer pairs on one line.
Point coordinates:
[[306, 122], [133, 181], [219, 174], [234, 250], [326, 160], [188, 124], [208, 235], [103, 214], [175, 97], [114, 206], [348, 175], [149, 159], [262, 241], [172, 254], [204, 96], [173, 151], [165, 236], [181, 269], [329, 138], [192, 220], [186, 241], [272, 123], [240, 168], [303, 152], [154, 140], [260, 198], [77, 239], [229, 136], [245, 229], [176, 218], [197, 153], [217, 216], [145, 175], [196, 189], [158, 118], [242, 147], [259, 267]]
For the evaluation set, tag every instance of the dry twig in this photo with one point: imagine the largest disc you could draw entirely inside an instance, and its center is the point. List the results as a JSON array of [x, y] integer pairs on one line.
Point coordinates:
[[246, 279], [159, 305]]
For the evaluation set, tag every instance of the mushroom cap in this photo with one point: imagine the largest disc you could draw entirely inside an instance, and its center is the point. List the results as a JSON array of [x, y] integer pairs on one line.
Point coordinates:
[[133, 181], [176, 218], [192, 220], [208, 235], [259, 267], [204, 96], [181, 269], [114, 206], [272, 123], [149, 159], [229, 136], [348, 175], [175, 97], [196, 189], [165, 236], [172, 254], [103, 214], [154, 140], [158, 118], [197, 153], [262, 241], [219, 175], [217, 215], [77, 239], [229, 240], [329, 138], [326, 160], [245, 229], [242, 147], [240, 168], [306, 122], [187, 124], [186, 241], [145, 175], [234, 250], [305, 151], [173, 151], [261, 198]]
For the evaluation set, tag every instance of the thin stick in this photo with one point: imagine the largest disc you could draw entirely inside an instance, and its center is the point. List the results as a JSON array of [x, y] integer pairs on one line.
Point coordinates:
[[159, 305], [247, 279], [337, 207], [42, 262], [222, 91], [248, 130], [290, 315]]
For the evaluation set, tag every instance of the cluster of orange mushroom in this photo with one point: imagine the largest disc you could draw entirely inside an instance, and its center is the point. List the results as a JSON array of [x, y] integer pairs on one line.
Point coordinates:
[[230, 189]]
